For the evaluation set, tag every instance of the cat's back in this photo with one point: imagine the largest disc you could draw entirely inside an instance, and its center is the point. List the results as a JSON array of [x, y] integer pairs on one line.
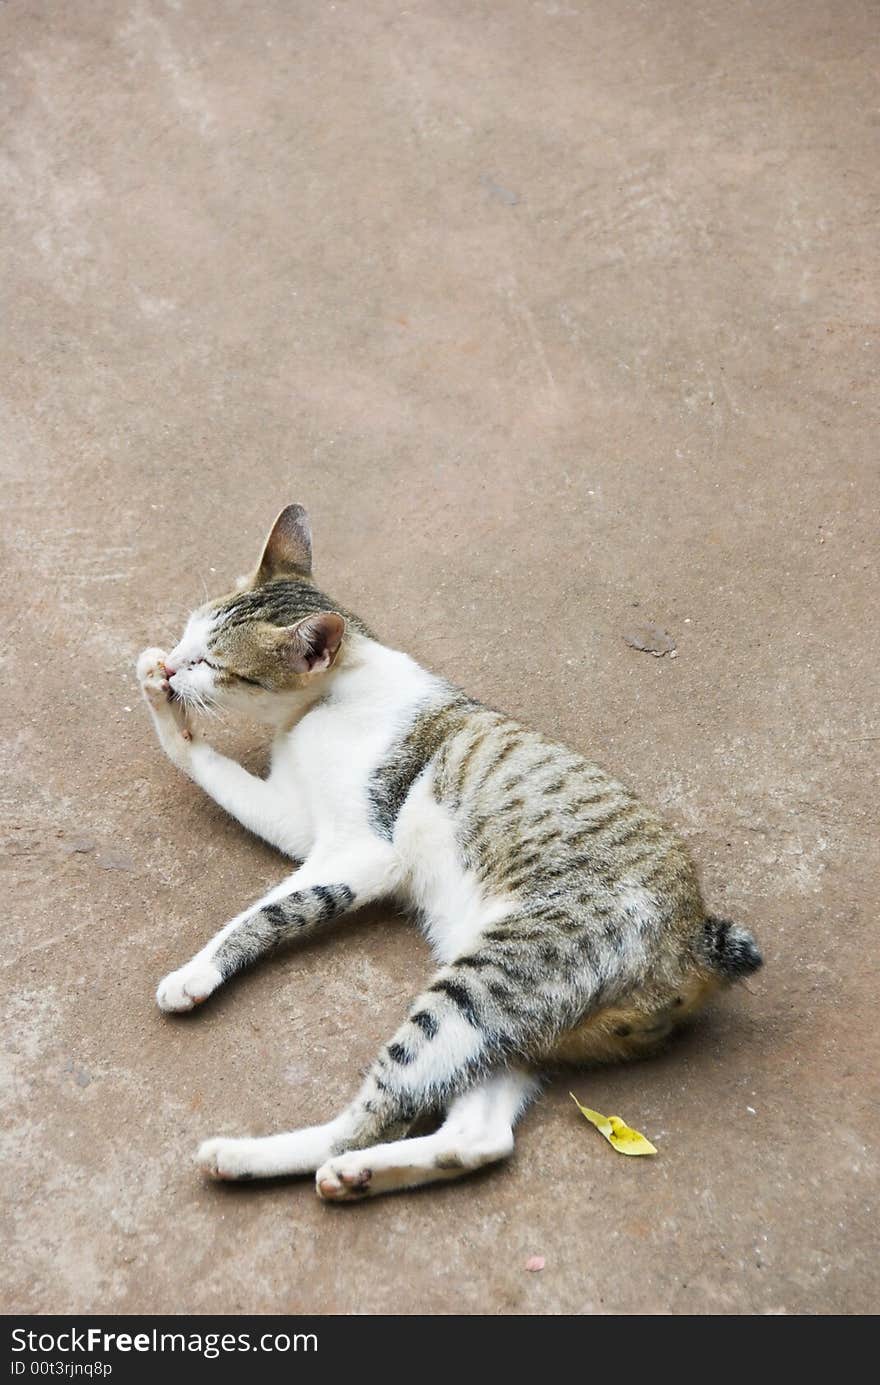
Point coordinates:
[[531, 815]]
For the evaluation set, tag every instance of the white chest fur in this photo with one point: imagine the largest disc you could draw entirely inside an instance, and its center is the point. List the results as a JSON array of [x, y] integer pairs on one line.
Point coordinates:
[[325, 765], [326, 761]]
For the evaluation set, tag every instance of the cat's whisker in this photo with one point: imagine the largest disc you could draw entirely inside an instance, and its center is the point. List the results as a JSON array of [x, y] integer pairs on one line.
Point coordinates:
[[201, 703]]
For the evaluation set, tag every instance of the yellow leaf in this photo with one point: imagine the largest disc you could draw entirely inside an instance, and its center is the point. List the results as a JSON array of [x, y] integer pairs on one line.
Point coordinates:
[[616, 1131]]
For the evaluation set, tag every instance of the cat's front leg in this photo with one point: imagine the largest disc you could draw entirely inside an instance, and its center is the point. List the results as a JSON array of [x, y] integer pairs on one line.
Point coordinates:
[[253, 802], [176, 736], [322, 889]]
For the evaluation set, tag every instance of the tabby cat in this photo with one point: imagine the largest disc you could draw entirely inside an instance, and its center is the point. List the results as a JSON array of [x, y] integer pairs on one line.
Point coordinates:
[[566, 918]]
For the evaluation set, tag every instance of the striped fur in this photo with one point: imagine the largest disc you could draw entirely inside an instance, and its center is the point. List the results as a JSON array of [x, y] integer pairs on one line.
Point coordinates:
[[294, 916], [566, 916]]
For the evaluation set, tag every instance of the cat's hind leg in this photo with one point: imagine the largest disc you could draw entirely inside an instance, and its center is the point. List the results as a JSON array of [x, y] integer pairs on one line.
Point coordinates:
[[479, 1013], [478, 1130], [270, 1156]]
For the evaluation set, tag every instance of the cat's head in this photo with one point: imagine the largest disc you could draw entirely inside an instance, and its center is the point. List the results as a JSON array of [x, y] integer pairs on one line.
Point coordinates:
[[268, 644]]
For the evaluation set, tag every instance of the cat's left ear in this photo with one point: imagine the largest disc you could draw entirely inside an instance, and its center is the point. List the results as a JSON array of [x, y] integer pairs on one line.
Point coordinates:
[[312, 645], [289, 546]]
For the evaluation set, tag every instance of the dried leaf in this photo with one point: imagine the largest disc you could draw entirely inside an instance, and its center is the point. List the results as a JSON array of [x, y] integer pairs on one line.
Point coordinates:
[[616, 1131]]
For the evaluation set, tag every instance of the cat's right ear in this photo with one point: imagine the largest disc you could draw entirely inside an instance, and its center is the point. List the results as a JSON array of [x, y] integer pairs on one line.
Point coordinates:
[[288, 549], [312, 645]]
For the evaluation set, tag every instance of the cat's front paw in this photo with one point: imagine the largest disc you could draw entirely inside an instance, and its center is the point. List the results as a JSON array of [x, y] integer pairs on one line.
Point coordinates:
[[169, 715], [152, 677], [187, 987]]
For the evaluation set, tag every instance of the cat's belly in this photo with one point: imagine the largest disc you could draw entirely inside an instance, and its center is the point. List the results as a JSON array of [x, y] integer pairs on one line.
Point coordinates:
[[634, 1027], [454, 906]]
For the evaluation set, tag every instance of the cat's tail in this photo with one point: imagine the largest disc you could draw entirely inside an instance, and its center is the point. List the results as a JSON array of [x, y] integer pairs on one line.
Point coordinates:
[[730, 950]]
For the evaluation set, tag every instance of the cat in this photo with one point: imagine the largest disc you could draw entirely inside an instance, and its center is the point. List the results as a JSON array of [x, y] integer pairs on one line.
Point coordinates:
[[566, 917]]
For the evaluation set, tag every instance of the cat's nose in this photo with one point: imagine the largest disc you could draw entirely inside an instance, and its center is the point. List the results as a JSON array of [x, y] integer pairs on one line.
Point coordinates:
[[169, 671]]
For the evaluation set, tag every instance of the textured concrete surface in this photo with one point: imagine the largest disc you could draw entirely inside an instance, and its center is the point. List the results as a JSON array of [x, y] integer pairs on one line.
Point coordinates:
[[557, 316]]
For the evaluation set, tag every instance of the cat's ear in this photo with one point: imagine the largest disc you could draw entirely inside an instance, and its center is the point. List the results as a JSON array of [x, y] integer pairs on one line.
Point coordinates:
[[288, 548], [312, 645]]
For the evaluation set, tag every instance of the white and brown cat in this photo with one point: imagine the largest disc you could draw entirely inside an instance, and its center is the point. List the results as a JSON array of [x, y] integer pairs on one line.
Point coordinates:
[[566, 917]]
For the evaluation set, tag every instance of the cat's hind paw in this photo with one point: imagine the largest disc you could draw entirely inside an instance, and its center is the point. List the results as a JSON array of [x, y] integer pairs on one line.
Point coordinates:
[[344, 1179], [226, 1160], [187, 987]]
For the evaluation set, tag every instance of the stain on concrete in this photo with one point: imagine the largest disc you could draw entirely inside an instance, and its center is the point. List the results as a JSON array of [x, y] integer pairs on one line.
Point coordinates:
[[497, 193]]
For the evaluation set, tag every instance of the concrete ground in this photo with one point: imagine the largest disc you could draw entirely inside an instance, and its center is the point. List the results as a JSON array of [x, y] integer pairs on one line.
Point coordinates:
[[559, 317]]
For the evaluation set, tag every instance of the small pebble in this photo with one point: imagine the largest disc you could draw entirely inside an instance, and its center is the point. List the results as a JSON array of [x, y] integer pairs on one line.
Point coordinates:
[[535, 1263]]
